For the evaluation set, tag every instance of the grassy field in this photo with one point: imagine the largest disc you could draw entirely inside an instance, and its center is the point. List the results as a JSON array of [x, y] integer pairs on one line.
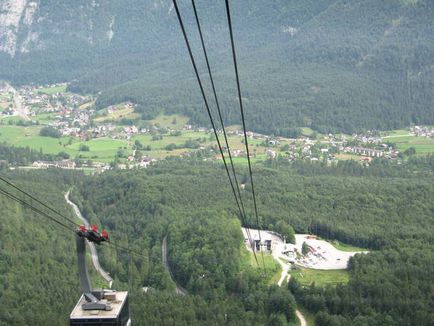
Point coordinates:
[[29, 136], [321, 277], [306, 131], [233, 127], [272, 268], [397, 132], [4, 105], [121, 112], [405, 140], [44, 118], [6, 118], [346, 156], [423, 145], [345, 247], [174, 121], [52, 90], [167, 139], [101, 149], [13, 134], [86, 105]]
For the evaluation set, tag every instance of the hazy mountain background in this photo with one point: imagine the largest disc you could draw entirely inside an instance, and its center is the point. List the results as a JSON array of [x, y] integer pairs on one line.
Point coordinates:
[[332, 65]]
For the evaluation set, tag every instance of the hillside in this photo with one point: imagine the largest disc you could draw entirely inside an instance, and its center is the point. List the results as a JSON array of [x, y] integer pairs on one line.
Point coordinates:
[[190, 203], [341, 65]]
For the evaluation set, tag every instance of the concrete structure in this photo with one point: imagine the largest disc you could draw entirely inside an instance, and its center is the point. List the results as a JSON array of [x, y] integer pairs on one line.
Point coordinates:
[[96, 306], [322, 254], [263, 243], [118, 316], [367, 152]]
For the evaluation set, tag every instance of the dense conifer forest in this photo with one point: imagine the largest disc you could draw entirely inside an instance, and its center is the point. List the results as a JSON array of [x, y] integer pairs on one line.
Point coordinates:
[[189, 201], [332, 65]]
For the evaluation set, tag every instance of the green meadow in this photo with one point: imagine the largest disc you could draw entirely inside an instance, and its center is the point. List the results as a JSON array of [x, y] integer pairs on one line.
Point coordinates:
[[345, 247], [101, 149], [173, 121], [272, 267], [121, 112], [52, 90], [307, 276], [423, 145]]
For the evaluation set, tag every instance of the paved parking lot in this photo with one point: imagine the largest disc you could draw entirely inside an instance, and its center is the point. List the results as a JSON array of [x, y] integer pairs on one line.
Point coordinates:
[[322, 254]]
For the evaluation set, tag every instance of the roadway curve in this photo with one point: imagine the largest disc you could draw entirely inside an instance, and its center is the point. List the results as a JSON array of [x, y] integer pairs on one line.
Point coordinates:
[[283, 276], [92, 247], [285, 267], [179, 289]]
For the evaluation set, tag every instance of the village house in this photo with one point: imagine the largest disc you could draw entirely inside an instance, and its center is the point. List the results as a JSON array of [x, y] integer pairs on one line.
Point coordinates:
[[146, 161], [131, 130], [238, 152], [271, 155], [422, 131]]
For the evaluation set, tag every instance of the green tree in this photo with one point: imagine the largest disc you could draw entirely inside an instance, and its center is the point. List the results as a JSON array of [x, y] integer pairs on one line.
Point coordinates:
[[305, 249], [285, 231], [83, 148], [49, 132]]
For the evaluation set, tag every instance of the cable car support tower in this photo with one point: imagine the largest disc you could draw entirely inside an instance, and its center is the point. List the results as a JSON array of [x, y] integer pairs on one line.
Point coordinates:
[[97, 306]]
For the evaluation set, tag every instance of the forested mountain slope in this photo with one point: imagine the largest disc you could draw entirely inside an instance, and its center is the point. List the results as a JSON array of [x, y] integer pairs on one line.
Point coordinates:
[[38, 277], [332, 65], [392, 216], [190, 202]]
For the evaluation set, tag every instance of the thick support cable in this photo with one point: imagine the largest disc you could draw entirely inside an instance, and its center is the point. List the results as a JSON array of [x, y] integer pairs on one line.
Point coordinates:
[[38, 201], [51, 218], [221, 120], [175, 4], [244, 122], [36, 210]]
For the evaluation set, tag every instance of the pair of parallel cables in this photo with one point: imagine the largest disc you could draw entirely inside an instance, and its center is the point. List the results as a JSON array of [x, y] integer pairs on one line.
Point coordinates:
[[28, 201], [232, 180], [233, 183]]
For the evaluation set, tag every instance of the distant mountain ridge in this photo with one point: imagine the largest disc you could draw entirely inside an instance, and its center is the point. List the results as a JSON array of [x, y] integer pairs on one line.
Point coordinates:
[[332, 65]]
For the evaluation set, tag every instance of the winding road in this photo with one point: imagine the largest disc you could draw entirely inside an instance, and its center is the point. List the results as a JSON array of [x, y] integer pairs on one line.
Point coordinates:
[[18, 102], [179, 289], [283, 276], [92, 247]]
